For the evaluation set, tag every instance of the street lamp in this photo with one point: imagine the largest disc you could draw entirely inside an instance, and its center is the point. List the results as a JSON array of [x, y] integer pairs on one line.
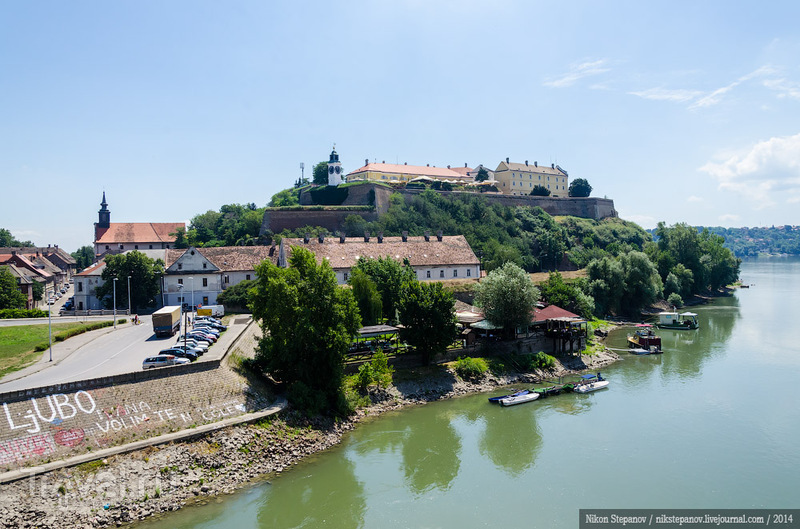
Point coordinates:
[[183, 313], [129, 295], [115, 302], [192, 280], [50, 327]]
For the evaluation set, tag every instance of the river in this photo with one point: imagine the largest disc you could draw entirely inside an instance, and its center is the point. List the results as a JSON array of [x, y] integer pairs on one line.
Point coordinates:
[[714, 422]]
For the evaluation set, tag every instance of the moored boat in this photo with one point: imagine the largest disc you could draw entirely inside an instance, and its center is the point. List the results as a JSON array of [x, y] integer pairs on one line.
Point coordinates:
[[549, 391], [589, 383], [681, 322], [519, 399], [644, 338], [516, 394]]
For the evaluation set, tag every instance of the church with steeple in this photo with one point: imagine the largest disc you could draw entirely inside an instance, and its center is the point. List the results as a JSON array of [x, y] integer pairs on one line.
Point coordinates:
[[117, 237]]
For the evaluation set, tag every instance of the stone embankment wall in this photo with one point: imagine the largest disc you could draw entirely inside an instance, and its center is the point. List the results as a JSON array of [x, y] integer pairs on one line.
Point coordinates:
[[56, 422], [378, 195]]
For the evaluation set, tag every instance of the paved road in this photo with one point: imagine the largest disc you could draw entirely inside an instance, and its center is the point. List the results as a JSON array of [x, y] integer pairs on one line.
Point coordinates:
[[98, 354]]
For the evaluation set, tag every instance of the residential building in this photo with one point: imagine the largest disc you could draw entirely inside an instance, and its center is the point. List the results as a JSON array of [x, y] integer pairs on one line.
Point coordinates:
[[432, 258], [25, 282], [118, 237], [390, 172], [85, 283], [196, 276], [520, 179], [34, 270]]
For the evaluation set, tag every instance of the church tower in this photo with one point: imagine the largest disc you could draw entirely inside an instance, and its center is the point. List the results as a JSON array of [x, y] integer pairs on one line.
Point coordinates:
[[103, 218], [334, 169]]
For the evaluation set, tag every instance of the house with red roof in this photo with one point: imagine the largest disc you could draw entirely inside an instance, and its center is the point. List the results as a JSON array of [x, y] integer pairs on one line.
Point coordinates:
[[390, 172], [117, 237]]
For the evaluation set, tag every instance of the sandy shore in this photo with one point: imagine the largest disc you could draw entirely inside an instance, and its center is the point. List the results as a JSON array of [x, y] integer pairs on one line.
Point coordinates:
[[142, 484]]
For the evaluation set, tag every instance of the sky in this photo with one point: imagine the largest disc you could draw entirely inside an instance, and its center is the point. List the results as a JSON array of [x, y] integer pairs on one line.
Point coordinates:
[[679, 111]]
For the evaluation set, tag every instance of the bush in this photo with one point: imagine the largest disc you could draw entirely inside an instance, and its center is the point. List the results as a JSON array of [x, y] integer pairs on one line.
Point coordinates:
[[22, 313], [469, 368], [63, 335], [376, 372], [306, 400], [542, 360], [675, 300]]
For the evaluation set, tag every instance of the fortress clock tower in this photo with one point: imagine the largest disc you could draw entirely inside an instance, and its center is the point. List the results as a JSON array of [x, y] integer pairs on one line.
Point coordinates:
[[334, 169]]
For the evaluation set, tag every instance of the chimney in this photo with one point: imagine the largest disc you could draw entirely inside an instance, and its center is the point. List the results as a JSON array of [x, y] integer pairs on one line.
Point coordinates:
[[341, 237], [366, 161], [506, 159], [526, 162], [465, 164], [366, 236], [405, 163], [552, 165], [405, 236], [306, 238], [321, 238], [427, 236], [448, 166], [427, 165], [383, 161], [439, 235], [380, 237], [536, 164]]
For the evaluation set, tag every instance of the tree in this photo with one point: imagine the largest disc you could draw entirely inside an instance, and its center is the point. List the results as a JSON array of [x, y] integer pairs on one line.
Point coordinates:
[[557, 292], [10, 295], [9, 241], [84, 256], [482, 175], [427, 315], [580, 188], [287, 197], [606, 284], [507, 296], [38, 290], [307, 322], [367, 297], [540, 191], [145, 281], [236, 297], [389, 276], [642, 283], [180, 238], [321, 174]]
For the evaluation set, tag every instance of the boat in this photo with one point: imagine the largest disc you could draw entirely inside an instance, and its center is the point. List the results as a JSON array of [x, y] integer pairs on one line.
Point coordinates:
[[589, 383], [549, 391], [673, 320], [516, 394], [641, 351], [519, 399], [644, 338]]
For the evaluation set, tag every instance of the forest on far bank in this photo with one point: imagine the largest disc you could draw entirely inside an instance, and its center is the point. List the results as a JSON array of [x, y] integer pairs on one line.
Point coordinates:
[[752, 242]]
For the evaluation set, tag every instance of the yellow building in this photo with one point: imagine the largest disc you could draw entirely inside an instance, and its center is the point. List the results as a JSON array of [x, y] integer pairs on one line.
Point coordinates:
[[521, 178], [390, 172]]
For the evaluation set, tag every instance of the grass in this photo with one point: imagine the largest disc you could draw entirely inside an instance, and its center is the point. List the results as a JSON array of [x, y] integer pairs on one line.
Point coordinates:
[[18, 343]]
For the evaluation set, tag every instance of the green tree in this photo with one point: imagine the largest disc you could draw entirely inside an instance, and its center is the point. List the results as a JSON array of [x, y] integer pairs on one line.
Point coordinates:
[[307, 323], [606, 283], [428, 319], [84, 256], [321, 174], [180, 238], [642, 283], [287, 197], [145, 274], [236, 297], [38, 291], [389, 276], [580, 188], [482, 175], [7, 240], [557, 292], [508, 297], [540, 191], [11, 297], [367, 297]]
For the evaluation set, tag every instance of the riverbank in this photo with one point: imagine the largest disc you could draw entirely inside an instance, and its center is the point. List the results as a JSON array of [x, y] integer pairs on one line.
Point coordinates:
[[138, 485]]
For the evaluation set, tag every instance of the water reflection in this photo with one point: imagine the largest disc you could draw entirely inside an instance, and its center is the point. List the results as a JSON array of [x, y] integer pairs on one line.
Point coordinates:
[[511, 438], [331, 495], [431, 454]]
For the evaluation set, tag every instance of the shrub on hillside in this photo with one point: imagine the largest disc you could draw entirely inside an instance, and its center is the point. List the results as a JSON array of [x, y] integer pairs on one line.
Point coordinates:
[[469, 368], [542, 360], [675, 300]]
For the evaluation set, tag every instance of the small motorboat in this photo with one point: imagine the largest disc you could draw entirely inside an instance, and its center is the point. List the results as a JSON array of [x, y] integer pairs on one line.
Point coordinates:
[[642, 351], [517, 394], [550, 390], [644, 338], [519, 399], [589, 383]]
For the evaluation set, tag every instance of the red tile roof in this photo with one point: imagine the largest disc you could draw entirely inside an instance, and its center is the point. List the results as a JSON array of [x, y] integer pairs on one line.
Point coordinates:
[[230, 258], [463, 171], [93, 270], [138, 232], [552, 311], [450, 251], [411, 170]]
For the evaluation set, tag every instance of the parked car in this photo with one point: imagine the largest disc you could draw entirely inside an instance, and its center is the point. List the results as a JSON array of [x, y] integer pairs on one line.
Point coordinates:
[[207, 330], [194, 338], [163, 361], [202, 335], [191, 345], [209, 326], [212, 319], [213, 325], [177, 351]]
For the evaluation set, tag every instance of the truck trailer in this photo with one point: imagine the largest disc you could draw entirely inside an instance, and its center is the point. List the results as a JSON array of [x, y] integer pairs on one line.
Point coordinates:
[[167, 320], [216, 311]]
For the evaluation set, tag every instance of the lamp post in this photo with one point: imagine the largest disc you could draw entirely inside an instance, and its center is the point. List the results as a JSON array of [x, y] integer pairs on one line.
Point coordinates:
[[183, 314], [192, 280], [115, 302], [50, 327], [129, 295]]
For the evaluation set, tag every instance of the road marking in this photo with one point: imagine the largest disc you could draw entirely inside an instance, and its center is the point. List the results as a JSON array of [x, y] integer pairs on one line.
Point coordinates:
[[107, 359]]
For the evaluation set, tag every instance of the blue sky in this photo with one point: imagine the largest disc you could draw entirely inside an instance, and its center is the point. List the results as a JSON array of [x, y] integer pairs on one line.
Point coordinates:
[[679, 111]]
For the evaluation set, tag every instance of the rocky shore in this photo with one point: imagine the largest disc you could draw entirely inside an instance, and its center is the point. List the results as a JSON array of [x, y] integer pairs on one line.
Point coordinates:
[[139, 485]]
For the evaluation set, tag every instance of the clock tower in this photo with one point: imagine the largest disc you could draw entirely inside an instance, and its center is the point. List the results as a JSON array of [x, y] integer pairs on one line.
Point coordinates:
[[334, 169]]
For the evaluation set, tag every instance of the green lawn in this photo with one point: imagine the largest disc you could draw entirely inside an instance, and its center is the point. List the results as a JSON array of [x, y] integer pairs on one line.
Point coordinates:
[[17, 344]]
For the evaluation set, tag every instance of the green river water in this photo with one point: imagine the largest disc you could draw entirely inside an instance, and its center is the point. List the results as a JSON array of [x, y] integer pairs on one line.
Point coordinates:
[[714, 422]]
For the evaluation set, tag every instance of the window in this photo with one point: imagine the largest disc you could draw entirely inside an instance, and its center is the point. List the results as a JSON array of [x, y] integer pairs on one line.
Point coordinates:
[[180, 281], [204, 265], [455, 272], [428, 274], [107, 248], [151, 246], [205, 282], [345, 276], [135, 246], [469, 272], [80, 287], [180, 299], [247, 277], [205, 300], [121, 246], [180, 266], [441, 273]]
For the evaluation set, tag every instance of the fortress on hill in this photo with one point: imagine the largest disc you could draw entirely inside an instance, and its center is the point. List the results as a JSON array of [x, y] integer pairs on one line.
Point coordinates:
[[369, 187]]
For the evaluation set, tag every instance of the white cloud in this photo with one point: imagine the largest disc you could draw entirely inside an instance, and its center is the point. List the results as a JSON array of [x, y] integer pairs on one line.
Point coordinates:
[[728, 217], [784, 88], [579, 71], [717, 95], [768, 172], [693, 198], [663, 94]]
